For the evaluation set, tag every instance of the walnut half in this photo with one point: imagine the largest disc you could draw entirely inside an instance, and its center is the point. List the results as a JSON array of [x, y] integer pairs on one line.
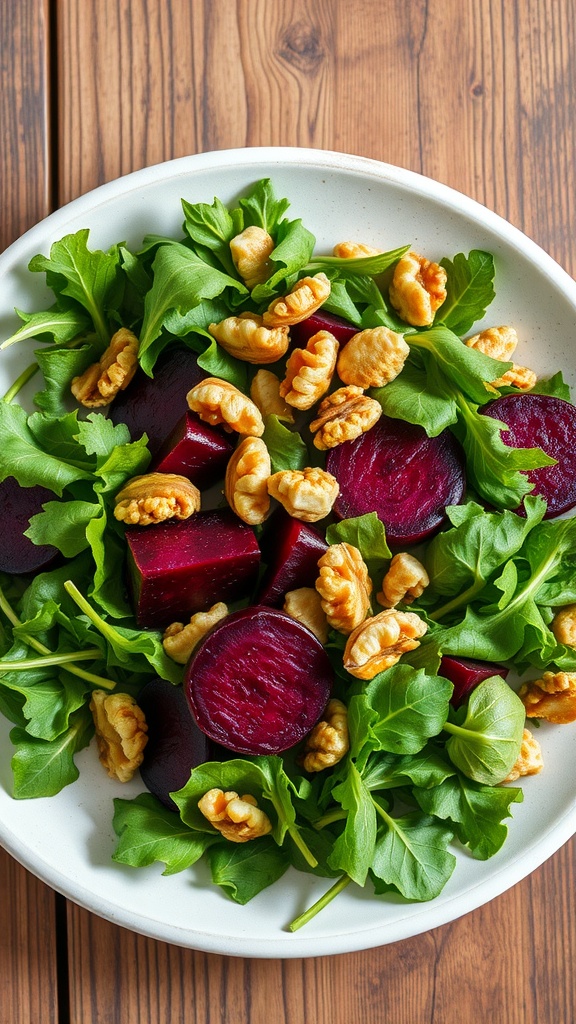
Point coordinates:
[[155, 497], [120, 733], [101, 382], [344, 586], [380, 641], [329, 740], [238, 818]]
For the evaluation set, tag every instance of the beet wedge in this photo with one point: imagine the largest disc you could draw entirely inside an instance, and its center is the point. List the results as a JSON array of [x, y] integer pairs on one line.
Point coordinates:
[[291, 550], [465, 674], [259, 682], [342, 330], [17, 506], [400, 473], [194, 450]]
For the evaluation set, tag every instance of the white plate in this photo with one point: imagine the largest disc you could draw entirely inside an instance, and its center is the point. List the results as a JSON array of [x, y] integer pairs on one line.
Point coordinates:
[[67, 840]]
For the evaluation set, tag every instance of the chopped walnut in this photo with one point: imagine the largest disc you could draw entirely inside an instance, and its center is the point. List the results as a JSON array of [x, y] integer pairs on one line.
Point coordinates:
[[305, 298], [238, 818], [418, 289], [553, 697], [247, 339], [218, 402], [306, 494], [405, 580], [344, 415], [564, 625], [354, 250], [102, 381], [265, 393], [521, 377], [380, 641], [496, 342], [246, 481], [309, 371], [179, 640], [154, 497], [329, 741], [344, 586], [120, 733], [250, 251], [372, 358], [305, 605], [530, 760]]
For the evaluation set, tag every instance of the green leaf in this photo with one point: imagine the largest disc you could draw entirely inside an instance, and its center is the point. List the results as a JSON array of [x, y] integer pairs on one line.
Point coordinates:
[[285, 447], [474, 811], [368, 534], [487, 743], [411, 857], [399, 710], [59, 366], [363, 266], [43, 768], [56, 324], [469, 290], [467, 368], [262, 208], [294, 248], [148, 832], [245, 869], [23, 458], [354, 848], [219, 363], [418, 397], [63, 524], [425, 769], [213, 227]]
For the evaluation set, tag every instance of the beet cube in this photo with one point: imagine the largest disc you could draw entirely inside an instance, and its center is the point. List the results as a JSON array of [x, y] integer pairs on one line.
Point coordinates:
[[342, 330], [194, 450], [466, 673], [17, 506], [292, 549], [179, 568]]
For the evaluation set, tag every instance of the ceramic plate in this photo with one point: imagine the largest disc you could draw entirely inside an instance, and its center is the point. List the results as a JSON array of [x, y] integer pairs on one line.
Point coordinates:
[[67, 840]]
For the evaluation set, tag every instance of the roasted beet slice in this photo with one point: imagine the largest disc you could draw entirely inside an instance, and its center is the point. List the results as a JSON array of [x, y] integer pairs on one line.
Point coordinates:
[[541, 421], [259, 681], [400, 473], [17, 506], [179, 568], [153, 405], [291, 549], [322, 321], [466, 673], [194, 450], [175, 743]]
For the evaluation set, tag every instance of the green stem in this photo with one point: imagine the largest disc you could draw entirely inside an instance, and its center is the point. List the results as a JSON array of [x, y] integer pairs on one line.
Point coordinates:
[[456, 730], [336, 815], [108, 631], [459, 600], [306, 853], [52, 659], [324, 900], [20, 381]]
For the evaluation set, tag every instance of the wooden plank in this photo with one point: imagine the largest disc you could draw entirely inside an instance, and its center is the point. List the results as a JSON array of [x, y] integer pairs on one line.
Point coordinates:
[[480, 96]]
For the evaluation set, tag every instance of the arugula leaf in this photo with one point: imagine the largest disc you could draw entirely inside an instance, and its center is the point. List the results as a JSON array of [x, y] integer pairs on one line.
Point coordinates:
[[469, 290], [363, 266], [294, 247], [60, 325], [285, 447], [21, 456], [213, 227], [475, 811], [149, 832], [487, 743], [43, 768], [417, 396], [411, 857], [219, 363], [399, 710], [467, 368], [245, 869], [59, 366], [261, 207], [354, 848], [65, 528], [425, 769]]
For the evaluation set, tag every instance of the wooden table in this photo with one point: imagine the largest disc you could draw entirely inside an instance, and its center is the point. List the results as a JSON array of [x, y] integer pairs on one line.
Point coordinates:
[[480, 94]]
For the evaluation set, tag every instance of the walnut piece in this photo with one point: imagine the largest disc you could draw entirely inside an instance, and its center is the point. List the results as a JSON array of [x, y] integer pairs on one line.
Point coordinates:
[[521, 377], [217, 402], [354, 250], [250, 251], [344, 415], [372, 358], [309, 371], [120, 733], [329, 741], [306, 494], [380, 641], [245, 484], [530, 760], [344, 586], [265, 393], [179, 640], [154, 497], [552, 697], [418, 289], [305, 605], [305, 298], [405, 580], [238, 818], [247, 339], [102, 381], [564, 625], [496, 342]]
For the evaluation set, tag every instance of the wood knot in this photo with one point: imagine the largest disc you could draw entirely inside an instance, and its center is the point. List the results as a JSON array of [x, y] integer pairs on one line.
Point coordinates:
[[301, 47]]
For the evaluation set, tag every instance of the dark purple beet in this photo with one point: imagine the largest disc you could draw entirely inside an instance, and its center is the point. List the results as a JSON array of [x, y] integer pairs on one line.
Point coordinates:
[[194, 450], [175, 743], [466, 673], [342, 330], [400, 473], [541, 421], [259, 681], [153, 405], [17, 506], [292, 549], [179, 568]]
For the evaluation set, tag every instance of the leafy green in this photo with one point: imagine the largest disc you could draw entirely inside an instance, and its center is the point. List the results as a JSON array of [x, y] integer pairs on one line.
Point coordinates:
[[262, 208], [486, 744], [469, 290], [294, 247], [148, 832], [59, 365], [58, 324], [213, 227], [411, 857], [245, 869], [475, 811], [22, 457], [218, 363], [368, 534], [43, 768], [285, 447]]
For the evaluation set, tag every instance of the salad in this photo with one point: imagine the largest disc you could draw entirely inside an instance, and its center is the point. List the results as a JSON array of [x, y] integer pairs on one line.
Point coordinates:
[[480, 470]]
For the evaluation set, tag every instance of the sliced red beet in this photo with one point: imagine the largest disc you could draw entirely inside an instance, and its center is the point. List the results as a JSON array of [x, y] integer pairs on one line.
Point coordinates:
[[175, 743], [322, 321], [292, 549], [179, 568], [400, 473], [466, 673], [259, 681], [17, 506], [153, 405], [542, 421], [194, 450]]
